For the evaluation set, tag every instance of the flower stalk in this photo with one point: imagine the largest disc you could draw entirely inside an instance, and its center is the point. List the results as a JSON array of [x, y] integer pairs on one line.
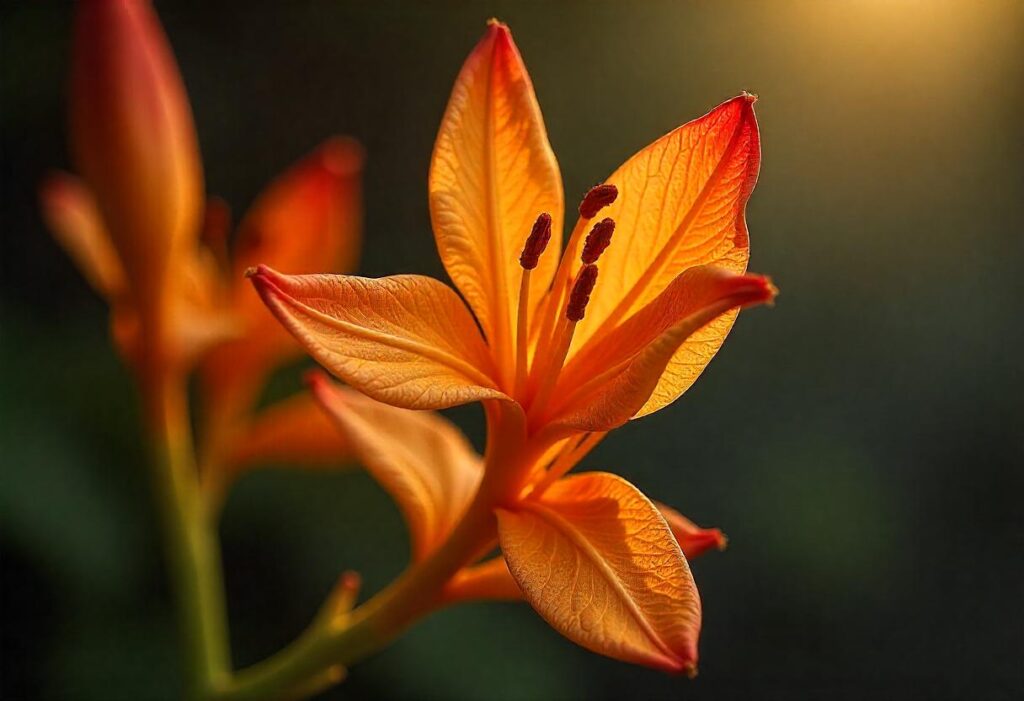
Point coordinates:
[[328, 642], [191, 543]]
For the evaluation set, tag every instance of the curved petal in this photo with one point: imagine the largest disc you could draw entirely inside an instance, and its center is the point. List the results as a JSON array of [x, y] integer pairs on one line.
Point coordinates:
[[595, 558], [423, 461], [295, 430], [74, 220], [308, 219], [693, 539], [490, 581], [492, 173], [681, 203], [406, 340], [617, 376]]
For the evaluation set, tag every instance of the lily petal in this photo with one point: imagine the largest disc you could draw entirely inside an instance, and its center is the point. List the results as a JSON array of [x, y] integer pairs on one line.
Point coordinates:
[[423, 461], [693, 539], [295, 430], [406, 340], [490, 581], [681, 203], [74, 220], [307, 220], [627, 372], [595, 558], [492, 173], [493, 581]]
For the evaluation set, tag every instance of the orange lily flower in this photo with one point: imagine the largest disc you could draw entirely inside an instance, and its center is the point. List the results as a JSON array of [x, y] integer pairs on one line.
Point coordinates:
[[133, 225], [565, 354]]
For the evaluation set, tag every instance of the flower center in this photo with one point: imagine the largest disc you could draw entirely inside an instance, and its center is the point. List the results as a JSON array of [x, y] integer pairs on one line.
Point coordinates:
[[566, 302]]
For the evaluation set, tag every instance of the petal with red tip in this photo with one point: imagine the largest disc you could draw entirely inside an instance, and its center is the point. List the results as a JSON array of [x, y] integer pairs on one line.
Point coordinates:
[[406, 340], [681, 203], [619, 375], [595, 558], [307, 220], [693, 539]]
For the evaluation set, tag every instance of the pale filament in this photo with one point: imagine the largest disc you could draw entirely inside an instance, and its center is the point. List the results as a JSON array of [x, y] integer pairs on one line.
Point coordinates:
[[565, 303]]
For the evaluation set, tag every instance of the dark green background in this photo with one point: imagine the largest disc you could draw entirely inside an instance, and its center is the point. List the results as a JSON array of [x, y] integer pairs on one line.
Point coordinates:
[[861, 443]]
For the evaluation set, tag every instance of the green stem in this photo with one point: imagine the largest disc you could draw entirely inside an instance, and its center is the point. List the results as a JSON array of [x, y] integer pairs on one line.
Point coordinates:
[[373, 625], [325, 646], [193, 551]]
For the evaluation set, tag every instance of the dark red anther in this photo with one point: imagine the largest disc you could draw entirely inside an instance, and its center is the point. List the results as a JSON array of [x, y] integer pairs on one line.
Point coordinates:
[[580, 295], [536, 242], [597, 240], [597, 199]]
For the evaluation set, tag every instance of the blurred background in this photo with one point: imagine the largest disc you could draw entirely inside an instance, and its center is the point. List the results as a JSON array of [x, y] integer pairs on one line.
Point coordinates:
[[862, 443]]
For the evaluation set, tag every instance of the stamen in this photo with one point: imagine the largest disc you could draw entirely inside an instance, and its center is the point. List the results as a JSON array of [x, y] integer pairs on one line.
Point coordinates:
[[553, 367], [597, 199], [597, 240], [581, 289], [536, 242], [580, 295]]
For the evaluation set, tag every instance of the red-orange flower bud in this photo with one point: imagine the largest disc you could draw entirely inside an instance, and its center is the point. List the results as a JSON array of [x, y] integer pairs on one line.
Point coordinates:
[[134, 141]]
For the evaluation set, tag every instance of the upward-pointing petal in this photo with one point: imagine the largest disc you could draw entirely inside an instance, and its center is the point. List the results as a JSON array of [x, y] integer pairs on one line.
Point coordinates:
[[71, 213], [307, 220], [681, 203], [406, 340], [492, 173]]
